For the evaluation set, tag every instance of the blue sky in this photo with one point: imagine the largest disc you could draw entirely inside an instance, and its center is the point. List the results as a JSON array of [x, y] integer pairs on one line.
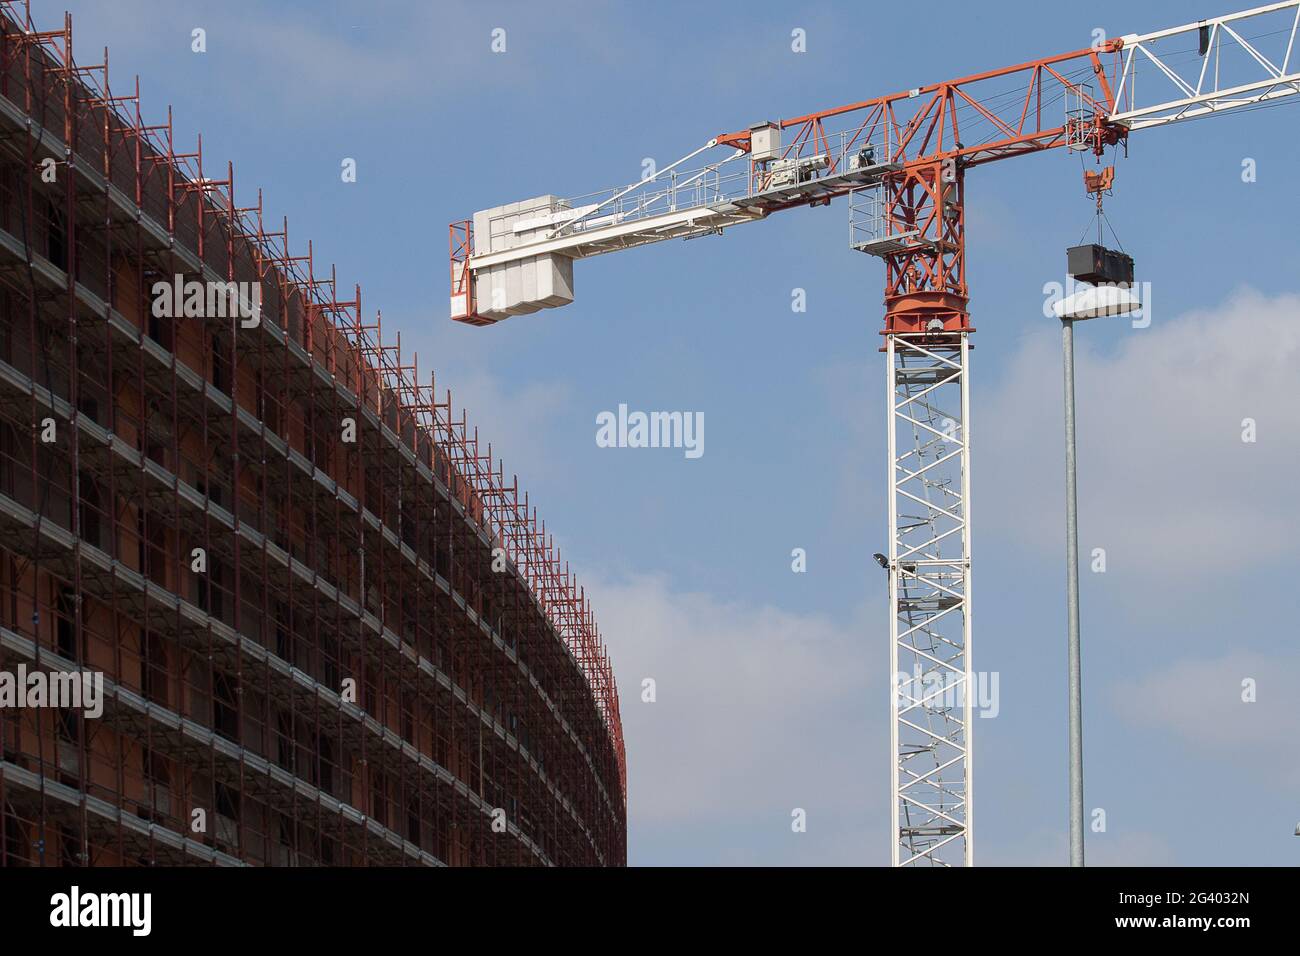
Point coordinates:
[[772, 686]]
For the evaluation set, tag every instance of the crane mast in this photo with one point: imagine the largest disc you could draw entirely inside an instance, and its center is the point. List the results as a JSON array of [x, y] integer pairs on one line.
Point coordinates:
[[901, 159]]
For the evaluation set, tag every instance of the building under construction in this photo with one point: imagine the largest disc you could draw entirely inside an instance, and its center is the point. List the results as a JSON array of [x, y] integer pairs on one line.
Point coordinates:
[[330, 631]]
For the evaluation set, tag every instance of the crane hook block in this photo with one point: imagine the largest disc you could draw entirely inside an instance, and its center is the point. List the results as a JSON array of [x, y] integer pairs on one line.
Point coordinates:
[[1101, 181]]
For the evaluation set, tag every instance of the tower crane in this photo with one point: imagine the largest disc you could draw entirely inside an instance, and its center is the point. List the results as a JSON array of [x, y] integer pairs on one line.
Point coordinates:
[[901, 160]]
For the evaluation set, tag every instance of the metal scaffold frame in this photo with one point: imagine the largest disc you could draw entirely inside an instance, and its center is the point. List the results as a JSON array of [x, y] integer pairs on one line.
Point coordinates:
[[477, 688], [929, 594]]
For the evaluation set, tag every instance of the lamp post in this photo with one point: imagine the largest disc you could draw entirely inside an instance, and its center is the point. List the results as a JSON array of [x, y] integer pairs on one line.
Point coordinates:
[[1089, 303]]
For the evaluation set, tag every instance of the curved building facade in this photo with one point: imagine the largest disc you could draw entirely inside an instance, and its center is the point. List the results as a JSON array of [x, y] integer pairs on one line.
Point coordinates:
[[265, 599]]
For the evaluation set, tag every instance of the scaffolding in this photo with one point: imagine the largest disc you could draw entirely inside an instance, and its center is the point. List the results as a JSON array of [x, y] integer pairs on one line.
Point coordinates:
[[382, 659]]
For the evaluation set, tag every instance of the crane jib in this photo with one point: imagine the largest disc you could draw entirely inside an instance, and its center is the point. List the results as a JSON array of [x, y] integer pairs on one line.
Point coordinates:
[[1088, 100]]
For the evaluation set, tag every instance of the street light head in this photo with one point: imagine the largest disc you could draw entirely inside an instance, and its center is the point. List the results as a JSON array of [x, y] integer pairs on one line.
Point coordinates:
[[1097, 300]]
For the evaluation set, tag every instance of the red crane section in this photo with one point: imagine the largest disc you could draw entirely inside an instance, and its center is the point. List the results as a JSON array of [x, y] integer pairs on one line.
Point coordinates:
[[923, 241]]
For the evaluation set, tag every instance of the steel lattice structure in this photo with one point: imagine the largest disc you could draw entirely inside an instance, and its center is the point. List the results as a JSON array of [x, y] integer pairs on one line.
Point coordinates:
[[929, 590]]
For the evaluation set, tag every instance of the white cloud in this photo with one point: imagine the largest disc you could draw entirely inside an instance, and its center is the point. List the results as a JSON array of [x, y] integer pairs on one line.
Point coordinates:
[[341, 57], [758, 711], [1199, 702], [1167, 485], [1116, 847], [516, 421]]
